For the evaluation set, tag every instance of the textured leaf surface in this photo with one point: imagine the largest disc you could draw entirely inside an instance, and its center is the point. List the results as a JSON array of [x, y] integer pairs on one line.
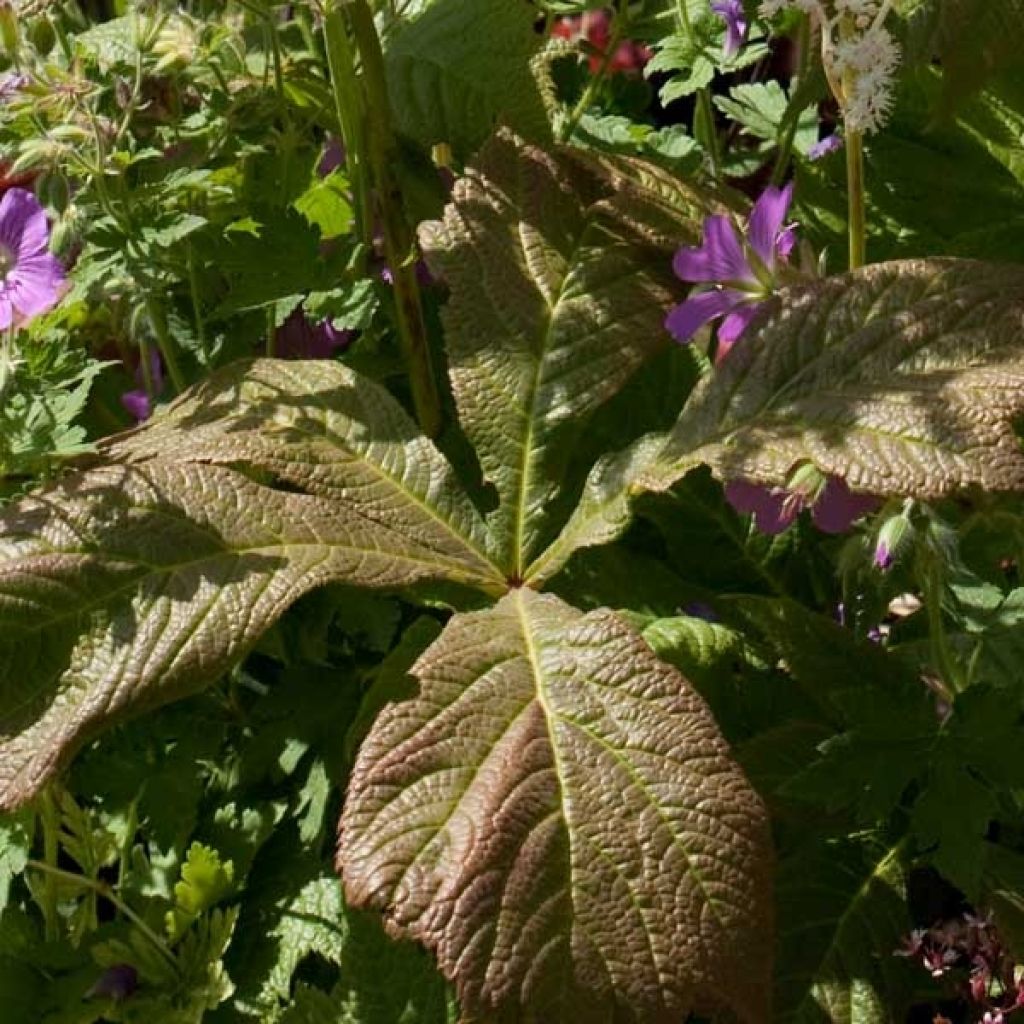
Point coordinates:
[[321, 427], [901, 378], [460, 68], [126, 587], [560, 276], [557, 816], [844, 916]]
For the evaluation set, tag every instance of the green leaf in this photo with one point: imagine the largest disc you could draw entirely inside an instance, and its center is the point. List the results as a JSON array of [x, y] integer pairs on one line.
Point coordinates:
[[971, 39], [845, 917], [560, 275], [15, 845], [557, 817], [323, 428], [204, 882], [901, 378], [458, 70], [123, 588]]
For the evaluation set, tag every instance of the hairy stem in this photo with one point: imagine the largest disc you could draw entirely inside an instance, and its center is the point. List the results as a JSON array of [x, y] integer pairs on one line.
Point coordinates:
[[165, 343], [102, 889], [855, 188], [399, 241]]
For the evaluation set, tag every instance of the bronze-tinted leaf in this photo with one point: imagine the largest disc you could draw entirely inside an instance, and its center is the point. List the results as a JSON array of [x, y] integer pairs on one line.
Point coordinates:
[[126, 587], [557, 817], [560, 273]]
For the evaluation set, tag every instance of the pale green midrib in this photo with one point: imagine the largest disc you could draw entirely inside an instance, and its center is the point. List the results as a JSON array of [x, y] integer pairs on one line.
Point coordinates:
[[876, 873], [547, 714], [170, 568], [526, 458], [328, 438]]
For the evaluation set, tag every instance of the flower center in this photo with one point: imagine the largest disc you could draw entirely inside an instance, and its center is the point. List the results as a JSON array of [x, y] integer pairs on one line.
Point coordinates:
[[7, 260]]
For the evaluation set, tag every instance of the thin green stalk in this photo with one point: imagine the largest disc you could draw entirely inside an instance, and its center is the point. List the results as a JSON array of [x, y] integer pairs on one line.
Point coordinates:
[[271, 333], [803, 44], [197, 309], [345, 86], [275, 50], [618, 27], [855, 189], [943, 658], [703, 129], [102, 889], [49, 819], [165, 343], [399, 242]]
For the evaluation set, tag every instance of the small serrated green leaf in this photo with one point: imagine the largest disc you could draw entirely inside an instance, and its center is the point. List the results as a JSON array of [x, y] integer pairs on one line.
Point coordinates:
[[204, 882]]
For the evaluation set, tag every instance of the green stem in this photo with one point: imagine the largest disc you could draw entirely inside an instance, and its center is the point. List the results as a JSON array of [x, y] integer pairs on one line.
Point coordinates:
[[197, 309], [943, 658], [271, 333], [399, 242], [345, 86], [102, 889], [855, 188], [49, 818], [704, 130], [597, 77], [165, 343], [803, 43]]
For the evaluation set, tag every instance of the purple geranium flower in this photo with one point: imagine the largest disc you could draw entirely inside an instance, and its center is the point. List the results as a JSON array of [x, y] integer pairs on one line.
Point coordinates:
[[117, 983], [31, 278], [138, 402], [834, 509], [299, 338], [735, 24], [827, 145], [742, 270]]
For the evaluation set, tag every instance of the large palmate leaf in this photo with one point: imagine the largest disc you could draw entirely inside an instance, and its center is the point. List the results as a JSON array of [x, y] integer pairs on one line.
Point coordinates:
[[125, 587], [323, 428], [901, 378], [560, 275], [557, 817], [845, 918]]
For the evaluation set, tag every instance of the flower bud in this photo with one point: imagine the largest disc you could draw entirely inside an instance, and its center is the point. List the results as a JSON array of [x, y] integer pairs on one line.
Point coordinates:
[[891, 538]]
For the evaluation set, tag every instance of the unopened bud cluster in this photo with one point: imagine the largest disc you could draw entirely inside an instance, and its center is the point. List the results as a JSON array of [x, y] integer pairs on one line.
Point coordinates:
[[859, 55]]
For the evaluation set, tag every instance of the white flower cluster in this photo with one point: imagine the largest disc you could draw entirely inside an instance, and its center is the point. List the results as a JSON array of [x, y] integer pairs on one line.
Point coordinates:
[[859, 54]]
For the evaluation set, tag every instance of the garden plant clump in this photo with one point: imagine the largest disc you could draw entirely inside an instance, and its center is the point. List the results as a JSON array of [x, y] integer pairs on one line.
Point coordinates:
[[512, 512]]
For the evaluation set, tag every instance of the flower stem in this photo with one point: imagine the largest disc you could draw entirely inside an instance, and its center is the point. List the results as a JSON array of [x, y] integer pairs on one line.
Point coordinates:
[[344, 85], [102, 889], [855, 188], [803, 58], [570, 123], [158, 321], [399, 241], [705, 132]]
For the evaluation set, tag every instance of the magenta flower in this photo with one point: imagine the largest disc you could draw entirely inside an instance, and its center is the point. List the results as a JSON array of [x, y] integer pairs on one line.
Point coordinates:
[[731, 11], [827, 145], [743, 271], [834, 508], [300, 338], [31, 278], [117, 983], [138, 402]]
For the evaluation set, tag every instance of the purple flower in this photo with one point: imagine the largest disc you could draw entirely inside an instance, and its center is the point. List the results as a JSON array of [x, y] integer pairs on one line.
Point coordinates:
[[827, 145], [117, 983], [332, 157], [883, 558], [834, 509], [31, 278], [138, 402], [701, 610], [11, 83], [743, 271], [735, 24], [300, 338]]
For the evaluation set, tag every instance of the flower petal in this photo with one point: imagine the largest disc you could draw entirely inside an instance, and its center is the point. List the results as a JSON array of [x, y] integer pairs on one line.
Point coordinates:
[[735, 23], [684, 320], [23, 227], [766, 221], [137, 404], [838, 508], [719, 259], [733, 326], [771, 511], [34, 284]]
